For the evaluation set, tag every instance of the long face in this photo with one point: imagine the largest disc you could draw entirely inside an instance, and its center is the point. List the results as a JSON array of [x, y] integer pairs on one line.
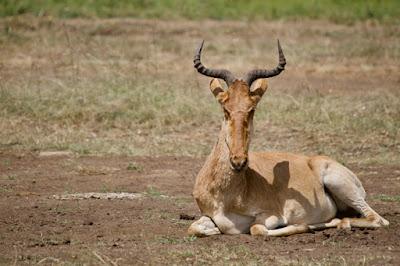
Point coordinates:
[[238, 104]]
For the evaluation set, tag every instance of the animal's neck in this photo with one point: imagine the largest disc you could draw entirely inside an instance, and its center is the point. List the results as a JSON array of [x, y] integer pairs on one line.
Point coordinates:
[[222, 171]]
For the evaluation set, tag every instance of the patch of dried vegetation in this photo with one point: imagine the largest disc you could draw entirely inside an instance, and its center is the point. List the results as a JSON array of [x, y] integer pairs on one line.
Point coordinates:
[[127, 86]]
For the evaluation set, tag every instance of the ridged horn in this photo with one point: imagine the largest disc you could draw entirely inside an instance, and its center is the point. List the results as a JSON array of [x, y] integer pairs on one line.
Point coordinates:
[[265, 73], [224, 74]]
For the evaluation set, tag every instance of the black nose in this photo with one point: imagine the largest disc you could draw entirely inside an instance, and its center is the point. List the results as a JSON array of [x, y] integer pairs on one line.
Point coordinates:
[[238, 163]]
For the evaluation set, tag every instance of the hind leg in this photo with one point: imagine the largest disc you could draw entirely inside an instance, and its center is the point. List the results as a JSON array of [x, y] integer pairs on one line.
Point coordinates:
[[267, 225], [348, 191]]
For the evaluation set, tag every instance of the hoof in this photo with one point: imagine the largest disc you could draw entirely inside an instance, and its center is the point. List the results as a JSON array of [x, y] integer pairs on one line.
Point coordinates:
[[258, 230], [203, 227], [383, 222]]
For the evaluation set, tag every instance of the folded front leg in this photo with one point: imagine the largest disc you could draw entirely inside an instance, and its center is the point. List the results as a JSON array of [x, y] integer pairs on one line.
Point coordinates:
[[203, 227]]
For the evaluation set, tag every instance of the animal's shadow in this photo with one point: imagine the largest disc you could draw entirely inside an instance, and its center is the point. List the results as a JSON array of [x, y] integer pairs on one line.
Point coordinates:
[[280, 186]]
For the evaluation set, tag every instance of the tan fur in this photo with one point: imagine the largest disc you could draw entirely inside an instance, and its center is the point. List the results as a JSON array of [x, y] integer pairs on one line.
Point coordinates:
[[274, 190]]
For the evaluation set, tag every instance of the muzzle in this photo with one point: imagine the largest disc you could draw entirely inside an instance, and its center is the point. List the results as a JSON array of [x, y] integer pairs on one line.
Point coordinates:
[[238, 163]]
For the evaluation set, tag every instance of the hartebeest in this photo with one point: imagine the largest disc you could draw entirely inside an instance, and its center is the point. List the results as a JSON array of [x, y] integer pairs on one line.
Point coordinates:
[[268, 193]]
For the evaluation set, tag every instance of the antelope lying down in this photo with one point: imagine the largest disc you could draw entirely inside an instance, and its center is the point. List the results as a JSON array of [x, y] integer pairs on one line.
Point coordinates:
[[268, 193]]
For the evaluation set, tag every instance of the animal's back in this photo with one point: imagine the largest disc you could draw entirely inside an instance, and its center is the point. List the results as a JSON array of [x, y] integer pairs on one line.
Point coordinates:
[[283, 168]]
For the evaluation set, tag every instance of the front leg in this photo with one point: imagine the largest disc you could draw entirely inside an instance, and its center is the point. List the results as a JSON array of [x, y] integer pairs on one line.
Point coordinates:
[[203, 227]]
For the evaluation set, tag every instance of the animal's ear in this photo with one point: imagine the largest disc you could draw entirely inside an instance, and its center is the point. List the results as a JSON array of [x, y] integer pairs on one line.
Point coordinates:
[[260, 87], [217, 90]]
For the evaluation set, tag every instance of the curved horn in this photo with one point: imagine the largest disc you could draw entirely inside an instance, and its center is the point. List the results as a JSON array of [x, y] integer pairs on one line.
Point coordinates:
[[264, 73], [226, 75]]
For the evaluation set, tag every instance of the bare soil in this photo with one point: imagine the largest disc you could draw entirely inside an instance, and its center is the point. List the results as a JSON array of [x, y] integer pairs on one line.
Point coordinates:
[[36, 227]]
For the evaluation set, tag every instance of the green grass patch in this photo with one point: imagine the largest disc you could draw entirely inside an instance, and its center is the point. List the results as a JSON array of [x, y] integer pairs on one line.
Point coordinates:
[[336, 10], [132, 166], [154, 192], [11, 177], [388, 198]]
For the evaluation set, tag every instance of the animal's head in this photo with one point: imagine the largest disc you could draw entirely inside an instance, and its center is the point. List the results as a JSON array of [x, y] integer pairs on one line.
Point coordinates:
[[238, 103]]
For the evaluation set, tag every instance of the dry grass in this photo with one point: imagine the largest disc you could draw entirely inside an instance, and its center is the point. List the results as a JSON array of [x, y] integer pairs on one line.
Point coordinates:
[[128, 86]]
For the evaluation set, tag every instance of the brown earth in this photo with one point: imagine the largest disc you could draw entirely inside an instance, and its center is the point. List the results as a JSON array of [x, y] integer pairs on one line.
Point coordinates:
[[37, 228]]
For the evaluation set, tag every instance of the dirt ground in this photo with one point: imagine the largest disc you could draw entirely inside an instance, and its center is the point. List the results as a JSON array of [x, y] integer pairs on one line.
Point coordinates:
[[37, 227]]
